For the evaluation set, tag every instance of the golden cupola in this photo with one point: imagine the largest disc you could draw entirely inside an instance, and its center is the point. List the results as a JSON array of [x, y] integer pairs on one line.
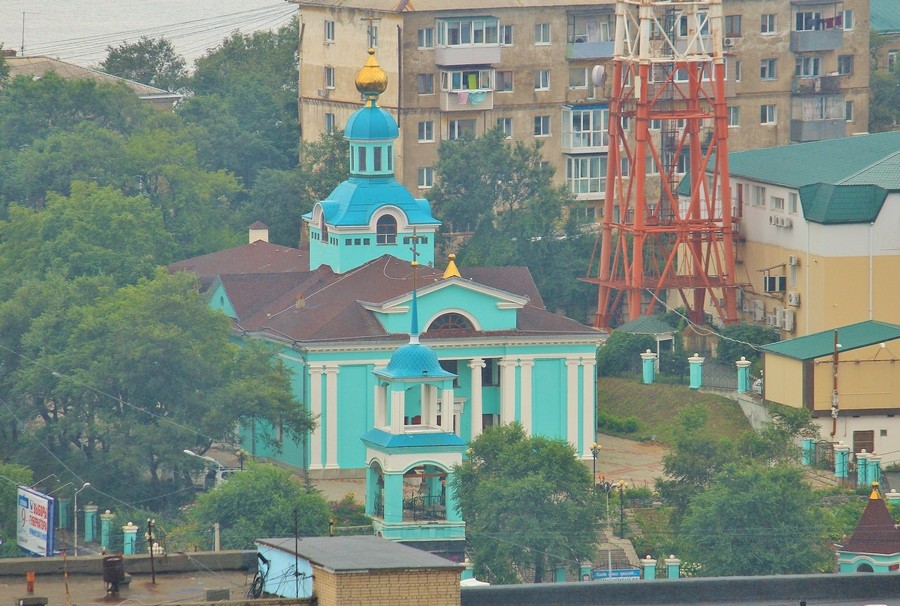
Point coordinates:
[[371, 80]]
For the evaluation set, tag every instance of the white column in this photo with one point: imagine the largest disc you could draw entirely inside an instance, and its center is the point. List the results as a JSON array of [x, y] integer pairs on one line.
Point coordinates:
[[315, 408], [447, 410], [380, 405], [572, 400], [331, 413], [398, 399], [525, 389], [507, 390], [588, 406], [476, 364]]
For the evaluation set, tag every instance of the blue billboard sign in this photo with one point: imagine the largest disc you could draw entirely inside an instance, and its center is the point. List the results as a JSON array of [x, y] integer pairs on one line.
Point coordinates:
[[616, 574], [36, 516]]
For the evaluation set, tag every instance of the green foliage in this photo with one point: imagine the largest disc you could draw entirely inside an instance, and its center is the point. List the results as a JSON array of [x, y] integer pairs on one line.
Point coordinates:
[[262, 501], [11, 477], [622, 353], [757, 520], [4, 68], [349, 516], [884, 103], [740, 340], [149, 61], [528, 505], [617, 425]]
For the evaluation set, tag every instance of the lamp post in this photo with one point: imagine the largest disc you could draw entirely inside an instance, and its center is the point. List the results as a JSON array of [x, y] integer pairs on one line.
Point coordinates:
[[204, 457], [86, 484], [595, 450], [621, 486], [241, 455]]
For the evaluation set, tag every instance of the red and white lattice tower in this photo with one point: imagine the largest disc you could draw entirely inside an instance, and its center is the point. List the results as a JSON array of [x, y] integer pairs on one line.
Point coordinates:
[[668, 120]]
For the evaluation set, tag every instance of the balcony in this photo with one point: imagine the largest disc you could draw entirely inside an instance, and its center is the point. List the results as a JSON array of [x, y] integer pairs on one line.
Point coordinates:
[[817, 130], [482, 54], [467, 100], [590, 50], [816, 40], [816, 85]]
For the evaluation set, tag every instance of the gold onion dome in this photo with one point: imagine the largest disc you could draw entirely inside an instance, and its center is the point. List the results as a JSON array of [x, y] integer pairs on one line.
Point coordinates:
[[371, 80]]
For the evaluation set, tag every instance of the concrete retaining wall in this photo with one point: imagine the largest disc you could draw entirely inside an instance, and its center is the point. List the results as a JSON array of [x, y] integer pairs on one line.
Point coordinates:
[[689, 591], [93, 565]]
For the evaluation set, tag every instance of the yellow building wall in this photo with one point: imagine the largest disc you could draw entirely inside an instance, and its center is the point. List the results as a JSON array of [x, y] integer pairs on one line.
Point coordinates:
[[388, 588], [783, 382], [868, 378]]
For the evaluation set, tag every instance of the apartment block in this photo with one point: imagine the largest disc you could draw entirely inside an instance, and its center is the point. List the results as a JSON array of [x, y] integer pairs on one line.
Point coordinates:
[[797, 71]]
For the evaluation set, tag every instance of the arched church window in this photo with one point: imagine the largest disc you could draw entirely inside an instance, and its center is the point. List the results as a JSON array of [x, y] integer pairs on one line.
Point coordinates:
[[323, 227], [386, 230], [864, 568], [450, 321]]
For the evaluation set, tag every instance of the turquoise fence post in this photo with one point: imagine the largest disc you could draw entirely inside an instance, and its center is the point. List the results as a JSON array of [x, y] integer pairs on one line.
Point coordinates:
[[90, 523], [808, 451], [106, 519], [469, 571], [743, 366], [673, 567], [648, 366], [559, 574], [862, 468], [696, 365], [893, 497], [65, 512], [649, 566], [585, 571], [874, 468], [841, 460], [129, 532]]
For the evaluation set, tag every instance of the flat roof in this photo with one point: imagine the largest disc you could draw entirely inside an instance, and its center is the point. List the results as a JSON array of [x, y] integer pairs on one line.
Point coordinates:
[[359, 553]]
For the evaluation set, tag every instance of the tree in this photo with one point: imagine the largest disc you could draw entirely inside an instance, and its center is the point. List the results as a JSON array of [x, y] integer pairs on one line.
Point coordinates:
[[4, 68], [11, 477], [757, 520], [743, 340], [622, 353], [262, 501], [149, 61], [884, 103], [528, 504], [120, 383]]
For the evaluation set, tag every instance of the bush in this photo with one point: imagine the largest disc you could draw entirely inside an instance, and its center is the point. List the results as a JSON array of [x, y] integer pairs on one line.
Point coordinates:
[[741, 340], [622, 353], [613, 424]]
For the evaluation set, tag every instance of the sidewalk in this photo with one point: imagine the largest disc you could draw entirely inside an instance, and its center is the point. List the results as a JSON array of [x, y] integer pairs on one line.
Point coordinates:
[[638, 463]]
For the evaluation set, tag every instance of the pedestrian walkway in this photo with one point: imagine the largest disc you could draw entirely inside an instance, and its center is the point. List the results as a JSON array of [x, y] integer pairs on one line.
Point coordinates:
[[638, 463]]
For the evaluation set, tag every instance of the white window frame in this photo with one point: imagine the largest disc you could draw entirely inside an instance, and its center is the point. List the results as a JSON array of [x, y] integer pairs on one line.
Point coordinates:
[[734, 116], [585, 128], [426, 131], [777, 203], [329, 77], [425, 37], [542, 80], [498, 77], [808, 66], [425, 177], [457, 80], [329, 31], [478, 31], [847, 17], [843, 62], [457, 129], [542, 126], [505, 124], [848, 111], [578, 77], [506, 35], [758, 196], [541, 34], [586, 174], [768, 69], [329, 122], [793, 200], [768, 25], [771, 115], [419, 80]]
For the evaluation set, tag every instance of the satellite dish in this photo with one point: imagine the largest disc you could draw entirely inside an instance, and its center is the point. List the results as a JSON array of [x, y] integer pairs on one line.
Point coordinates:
[[598, 75]]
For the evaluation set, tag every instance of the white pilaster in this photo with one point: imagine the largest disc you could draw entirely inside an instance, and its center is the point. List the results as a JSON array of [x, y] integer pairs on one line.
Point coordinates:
[[447, 410], [331, 413], [476, 364], [315, 408], [507, 390], [525, 391], [588, 406], [572, 400], [398, 399], [380, 405]]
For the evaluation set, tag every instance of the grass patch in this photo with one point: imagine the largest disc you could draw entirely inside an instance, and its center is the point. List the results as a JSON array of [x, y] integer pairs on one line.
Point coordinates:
[[656, 406]]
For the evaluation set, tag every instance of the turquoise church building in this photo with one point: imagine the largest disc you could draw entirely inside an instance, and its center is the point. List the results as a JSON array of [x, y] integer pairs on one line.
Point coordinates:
[[400, 363]]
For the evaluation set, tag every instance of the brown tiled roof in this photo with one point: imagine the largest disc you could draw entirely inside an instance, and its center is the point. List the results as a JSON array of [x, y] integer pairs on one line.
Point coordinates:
[[273, 292], [38, 66], [876, 531]]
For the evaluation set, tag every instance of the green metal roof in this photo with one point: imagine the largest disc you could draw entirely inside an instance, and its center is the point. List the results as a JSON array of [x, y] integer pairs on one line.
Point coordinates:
[[821, 344], [884, 17], [645, 325], [829, 204], [828, 161]]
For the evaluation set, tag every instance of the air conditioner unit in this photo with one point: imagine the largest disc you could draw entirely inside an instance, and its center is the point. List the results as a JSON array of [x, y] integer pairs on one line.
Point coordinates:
[[728, 42], [759, 311], [779, 316], [794, 299], [770, 320], [787, 322], [772, 219], [774, 283], [323, 92], [747, 307], [787, 222], [793, 260]]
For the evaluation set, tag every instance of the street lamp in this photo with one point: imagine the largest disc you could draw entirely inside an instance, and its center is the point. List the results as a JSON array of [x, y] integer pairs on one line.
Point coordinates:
[[595, 450], [241, 455], [86, 484], [204, 457], [621, 486]]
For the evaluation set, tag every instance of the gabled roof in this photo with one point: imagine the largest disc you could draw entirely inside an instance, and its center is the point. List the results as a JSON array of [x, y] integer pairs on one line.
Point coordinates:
[[833, 204], [829, 161], [821, 344], [273, 293], [884, 17], [646, 325], [876, 531], [419, 439]]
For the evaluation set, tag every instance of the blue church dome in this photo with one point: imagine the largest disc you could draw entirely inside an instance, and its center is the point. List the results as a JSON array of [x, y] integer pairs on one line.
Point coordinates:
[[415, 361], [371, 123]]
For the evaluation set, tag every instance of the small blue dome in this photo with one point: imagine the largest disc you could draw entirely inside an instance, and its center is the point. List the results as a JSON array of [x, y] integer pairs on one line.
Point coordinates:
[[371, 123], [415, 361]]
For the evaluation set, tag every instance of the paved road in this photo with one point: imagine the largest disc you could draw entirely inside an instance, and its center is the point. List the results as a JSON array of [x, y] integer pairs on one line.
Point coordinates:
[[638, 463]]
